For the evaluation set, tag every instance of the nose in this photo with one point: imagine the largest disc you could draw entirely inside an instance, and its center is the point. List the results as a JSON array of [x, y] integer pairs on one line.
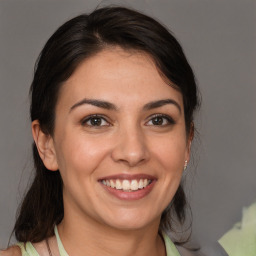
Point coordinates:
[[130, 147]]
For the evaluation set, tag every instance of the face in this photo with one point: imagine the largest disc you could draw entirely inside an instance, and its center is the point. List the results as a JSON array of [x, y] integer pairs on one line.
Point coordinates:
[[120, 140]]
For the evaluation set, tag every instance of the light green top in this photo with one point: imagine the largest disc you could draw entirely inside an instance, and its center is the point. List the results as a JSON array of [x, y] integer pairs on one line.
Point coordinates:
[[241, 239], [29, 250]]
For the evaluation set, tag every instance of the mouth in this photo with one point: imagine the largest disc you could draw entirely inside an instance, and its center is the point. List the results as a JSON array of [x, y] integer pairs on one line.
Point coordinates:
[[127, 185]]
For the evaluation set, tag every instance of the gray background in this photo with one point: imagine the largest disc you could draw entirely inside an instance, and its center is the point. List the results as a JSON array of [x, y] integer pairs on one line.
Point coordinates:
[[219, 38]]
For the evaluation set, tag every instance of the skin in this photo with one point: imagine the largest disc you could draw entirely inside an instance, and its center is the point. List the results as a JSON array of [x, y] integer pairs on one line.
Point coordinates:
[[128, 141]]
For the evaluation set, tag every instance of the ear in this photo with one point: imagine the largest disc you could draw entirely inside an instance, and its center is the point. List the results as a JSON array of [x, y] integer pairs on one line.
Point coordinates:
[[189, 141], [45, 146]]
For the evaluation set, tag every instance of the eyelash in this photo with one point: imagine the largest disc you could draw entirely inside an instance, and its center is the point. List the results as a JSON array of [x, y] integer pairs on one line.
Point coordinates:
[[167, 120], [91, 117]]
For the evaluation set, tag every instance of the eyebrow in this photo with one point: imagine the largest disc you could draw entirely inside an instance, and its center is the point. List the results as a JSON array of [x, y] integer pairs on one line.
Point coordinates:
[[96, 103], [160, 103], [111, 106]]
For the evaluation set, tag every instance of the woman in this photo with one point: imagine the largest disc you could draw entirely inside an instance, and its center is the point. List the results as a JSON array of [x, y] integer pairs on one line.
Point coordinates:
[[112, 105]]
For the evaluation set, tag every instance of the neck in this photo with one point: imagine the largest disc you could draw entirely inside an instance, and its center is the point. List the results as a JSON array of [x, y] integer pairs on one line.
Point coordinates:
[[86, 238]]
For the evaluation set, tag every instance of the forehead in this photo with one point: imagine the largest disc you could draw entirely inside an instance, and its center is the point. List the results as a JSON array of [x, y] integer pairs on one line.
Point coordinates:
[[118, 75]]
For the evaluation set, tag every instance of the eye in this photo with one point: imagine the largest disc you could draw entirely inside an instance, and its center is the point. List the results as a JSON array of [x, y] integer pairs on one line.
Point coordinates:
[[95, 121], [160, 120]]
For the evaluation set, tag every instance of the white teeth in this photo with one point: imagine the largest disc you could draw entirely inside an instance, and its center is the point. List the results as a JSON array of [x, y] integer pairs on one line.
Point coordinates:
[[134, 185], [118, 184], [112, 184], [141, 184], [127, 185]]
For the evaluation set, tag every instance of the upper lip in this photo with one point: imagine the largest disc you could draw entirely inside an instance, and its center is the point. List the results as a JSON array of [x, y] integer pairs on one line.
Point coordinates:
[[128, 177]]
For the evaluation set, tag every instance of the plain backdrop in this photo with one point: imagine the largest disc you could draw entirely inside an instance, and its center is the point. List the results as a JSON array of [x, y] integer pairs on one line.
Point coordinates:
[[219, 39]]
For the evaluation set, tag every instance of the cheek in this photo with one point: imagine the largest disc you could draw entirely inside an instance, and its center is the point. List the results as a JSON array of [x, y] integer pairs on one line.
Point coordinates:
[[80, 156], [170, 155], [170, 151]]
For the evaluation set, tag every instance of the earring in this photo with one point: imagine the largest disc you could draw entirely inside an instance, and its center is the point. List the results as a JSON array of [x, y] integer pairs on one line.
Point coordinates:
[[185, 165]]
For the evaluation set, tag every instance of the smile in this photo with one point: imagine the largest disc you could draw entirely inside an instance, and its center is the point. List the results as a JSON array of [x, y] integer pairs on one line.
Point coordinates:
[[127, 185]]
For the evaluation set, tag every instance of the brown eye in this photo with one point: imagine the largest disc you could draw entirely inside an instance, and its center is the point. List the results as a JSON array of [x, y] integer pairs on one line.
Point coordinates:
[[157, 120], [95, 121], [160, 120]]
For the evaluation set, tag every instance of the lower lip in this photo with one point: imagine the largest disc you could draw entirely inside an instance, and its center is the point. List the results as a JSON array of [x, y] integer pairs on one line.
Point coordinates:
[[133, 195]]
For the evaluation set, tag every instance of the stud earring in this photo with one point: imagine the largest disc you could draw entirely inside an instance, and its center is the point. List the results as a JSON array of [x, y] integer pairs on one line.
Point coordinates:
[[185, 165]]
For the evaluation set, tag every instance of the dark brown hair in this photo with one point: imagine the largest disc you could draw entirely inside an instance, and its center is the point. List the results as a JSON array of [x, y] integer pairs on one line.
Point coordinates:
[[76, 40]]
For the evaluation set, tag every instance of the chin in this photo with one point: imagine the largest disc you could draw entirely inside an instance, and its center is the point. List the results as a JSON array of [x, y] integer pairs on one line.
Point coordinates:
[[129, 222]]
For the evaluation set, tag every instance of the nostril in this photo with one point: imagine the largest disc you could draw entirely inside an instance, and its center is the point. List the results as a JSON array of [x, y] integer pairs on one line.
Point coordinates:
[[130, 152]]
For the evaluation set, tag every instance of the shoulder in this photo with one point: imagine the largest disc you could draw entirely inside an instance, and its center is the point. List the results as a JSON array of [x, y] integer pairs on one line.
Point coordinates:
[[11, 251], [241, 239]]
